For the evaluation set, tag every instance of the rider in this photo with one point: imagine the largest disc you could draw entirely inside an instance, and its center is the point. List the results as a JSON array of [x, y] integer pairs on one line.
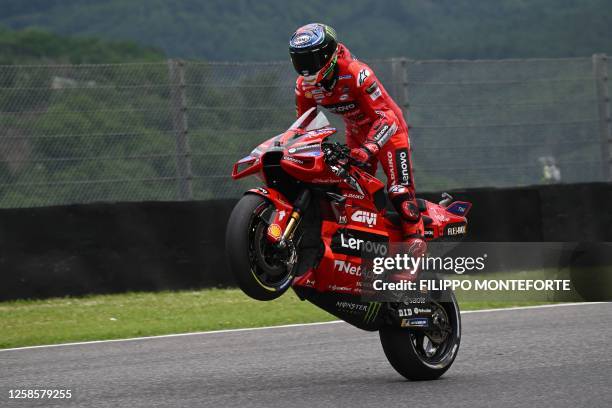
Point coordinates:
[[375, 128]]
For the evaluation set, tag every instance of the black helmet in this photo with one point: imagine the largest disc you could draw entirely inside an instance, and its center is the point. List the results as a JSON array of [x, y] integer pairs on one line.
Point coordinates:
[[311, 48]]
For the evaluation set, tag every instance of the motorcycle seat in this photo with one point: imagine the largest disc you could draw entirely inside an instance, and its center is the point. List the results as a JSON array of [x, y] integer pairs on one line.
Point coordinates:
[[396, 220]]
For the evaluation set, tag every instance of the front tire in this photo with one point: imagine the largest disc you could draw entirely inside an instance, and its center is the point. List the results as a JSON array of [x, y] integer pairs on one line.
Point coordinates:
[[257, 267], [414, 354]]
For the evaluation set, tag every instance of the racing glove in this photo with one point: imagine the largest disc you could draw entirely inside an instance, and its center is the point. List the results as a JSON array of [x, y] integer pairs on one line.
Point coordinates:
[[365, 152]]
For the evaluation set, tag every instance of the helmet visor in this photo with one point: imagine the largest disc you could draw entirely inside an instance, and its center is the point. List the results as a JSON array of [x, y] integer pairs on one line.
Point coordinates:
[[308, 63]]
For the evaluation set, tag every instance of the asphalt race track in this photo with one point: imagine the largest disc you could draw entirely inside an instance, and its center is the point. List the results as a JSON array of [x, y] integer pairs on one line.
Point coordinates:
[[543, 357]]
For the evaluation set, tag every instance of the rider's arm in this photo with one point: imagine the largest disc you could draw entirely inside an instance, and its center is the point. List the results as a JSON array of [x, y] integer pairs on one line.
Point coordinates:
[[302, 102], [375, 103]]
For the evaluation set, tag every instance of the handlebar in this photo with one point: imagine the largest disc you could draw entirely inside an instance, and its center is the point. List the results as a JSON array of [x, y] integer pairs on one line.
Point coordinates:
[[336, 152]]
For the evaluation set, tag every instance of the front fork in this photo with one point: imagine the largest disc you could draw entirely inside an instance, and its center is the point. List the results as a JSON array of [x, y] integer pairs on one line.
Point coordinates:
[[299, 206], [284, 220], [281, 233]]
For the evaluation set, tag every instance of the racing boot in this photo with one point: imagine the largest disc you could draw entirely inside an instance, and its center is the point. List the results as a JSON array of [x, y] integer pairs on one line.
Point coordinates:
[[403, 199]]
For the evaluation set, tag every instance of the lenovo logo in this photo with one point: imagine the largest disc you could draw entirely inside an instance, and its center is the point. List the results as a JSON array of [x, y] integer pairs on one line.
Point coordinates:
[[359, 243], [403, 165]]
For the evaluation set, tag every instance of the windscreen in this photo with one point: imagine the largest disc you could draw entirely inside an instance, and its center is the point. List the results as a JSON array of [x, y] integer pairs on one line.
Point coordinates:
[[305, 122], [299, 123], [319, 122]]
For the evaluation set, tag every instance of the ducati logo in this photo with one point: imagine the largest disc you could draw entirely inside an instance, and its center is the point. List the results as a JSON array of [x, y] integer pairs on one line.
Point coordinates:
[[364, 217]]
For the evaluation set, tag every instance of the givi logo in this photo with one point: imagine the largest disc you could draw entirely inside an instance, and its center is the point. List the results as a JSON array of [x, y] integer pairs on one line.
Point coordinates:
[[364, 217]]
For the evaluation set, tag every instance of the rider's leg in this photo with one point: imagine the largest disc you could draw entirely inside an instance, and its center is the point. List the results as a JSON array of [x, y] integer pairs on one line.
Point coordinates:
[[396, 162]]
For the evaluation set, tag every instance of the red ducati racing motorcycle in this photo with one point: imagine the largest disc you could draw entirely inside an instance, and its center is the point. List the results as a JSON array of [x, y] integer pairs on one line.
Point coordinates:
[[306, 229]]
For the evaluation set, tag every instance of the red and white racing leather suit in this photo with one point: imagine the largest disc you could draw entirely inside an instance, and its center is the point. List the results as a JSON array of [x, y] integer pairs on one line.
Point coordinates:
[[372, 119]]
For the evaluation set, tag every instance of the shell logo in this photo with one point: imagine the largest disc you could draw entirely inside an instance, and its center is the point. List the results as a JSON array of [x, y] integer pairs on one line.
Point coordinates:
[[275, 231]]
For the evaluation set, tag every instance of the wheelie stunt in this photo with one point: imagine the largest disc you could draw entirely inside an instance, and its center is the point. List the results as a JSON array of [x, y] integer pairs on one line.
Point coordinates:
[[322, 209]]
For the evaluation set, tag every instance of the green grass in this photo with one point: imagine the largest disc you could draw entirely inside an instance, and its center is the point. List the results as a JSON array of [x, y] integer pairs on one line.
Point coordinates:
[[99, 317]]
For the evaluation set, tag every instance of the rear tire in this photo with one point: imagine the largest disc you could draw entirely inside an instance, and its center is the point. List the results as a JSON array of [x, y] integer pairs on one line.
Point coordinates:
[[248, 251], [404, 348]]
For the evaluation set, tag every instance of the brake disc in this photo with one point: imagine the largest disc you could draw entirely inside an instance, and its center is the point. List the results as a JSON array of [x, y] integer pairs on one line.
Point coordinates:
[[441, 322]]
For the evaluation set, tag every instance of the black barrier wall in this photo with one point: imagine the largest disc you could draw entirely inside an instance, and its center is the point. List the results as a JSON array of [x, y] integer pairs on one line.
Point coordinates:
[[552, 213], [106, 248]]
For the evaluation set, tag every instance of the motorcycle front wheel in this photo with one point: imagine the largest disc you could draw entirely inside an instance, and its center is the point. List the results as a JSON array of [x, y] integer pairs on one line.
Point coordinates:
[[421, 355], [260, 269]]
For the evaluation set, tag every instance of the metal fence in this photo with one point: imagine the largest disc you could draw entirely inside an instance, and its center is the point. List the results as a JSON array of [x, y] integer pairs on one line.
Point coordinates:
[[168, 131]]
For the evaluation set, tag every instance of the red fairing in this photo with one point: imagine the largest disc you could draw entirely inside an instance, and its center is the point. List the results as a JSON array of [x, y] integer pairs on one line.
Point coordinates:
[[246, 167], [280, 216], [441, 223], [252, 164], [340, 269], [303, 158]]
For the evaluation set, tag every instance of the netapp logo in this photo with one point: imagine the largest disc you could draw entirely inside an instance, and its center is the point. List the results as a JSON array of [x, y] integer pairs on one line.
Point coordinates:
[[347, 267], [401, 159], [358, 243]]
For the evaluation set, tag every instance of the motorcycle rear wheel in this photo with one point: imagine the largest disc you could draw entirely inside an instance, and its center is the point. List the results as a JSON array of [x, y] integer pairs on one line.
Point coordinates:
[[257, 266], [414, 355]]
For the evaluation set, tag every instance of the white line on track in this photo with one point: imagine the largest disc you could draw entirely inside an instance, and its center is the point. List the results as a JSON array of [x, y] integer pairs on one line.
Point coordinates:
[[276, 327]]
